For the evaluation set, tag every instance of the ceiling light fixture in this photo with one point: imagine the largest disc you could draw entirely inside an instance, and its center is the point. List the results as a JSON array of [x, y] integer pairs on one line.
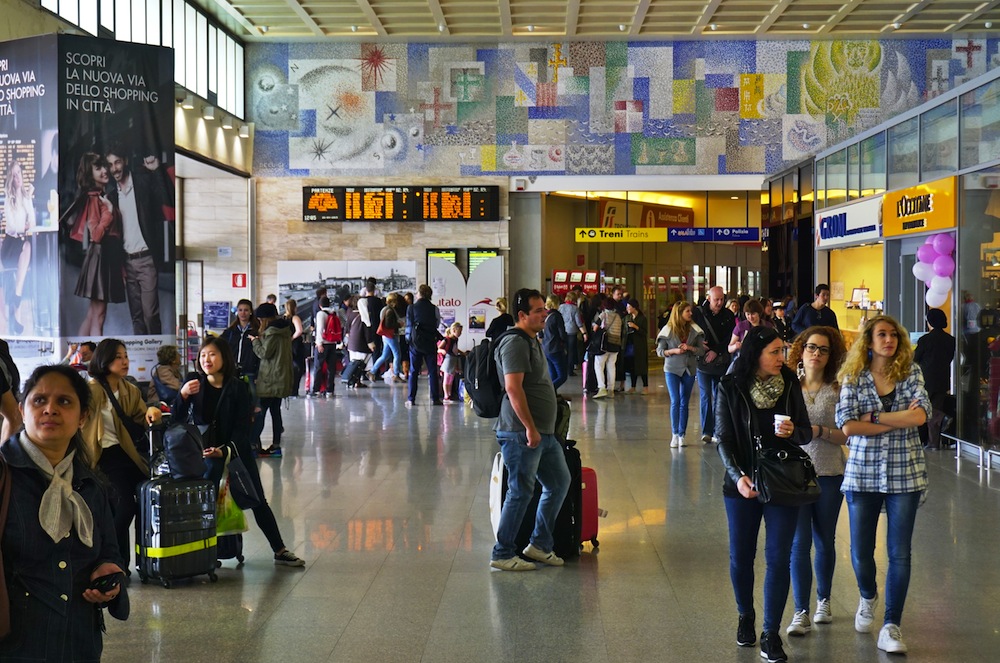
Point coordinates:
[[354, 28], [227, 122], [531, 28], [621, 27], [713, 26], [188, 103], [897, 25], [988, 24], [805, 26], [208, 112], [244, 131], [440, 27], [263, 29]]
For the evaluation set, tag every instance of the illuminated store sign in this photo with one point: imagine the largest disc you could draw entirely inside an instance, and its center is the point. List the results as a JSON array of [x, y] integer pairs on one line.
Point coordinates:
[[850, 224], [919, 209]]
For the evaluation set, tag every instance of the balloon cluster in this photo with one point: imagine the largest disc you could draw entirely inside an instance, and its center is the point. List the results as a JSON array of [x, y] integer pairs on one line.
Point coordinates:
[[935, 268]]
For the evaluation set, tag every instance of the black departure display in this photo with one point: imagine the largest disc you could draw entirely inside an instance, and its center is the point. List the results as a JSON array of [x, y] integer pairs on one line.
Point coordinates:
[[401, 203]]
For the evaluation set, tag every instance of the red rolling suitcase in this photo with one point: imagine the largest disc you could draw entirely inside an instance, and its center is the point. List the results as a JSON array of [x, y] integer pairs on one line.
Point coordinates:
[[589, 510]]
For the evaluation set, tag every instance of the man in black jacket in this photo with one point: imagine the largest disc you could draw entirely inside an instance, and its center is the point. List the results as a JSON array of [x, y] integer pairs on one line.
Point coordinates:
[[422, 322], [817, 313], [718, 323], [935, 352]]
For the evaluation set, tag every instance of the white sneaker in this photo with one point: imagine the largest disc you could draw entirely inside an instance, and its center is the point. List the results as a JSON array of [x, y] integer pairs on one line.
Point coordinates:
[[800, 624], [891, 640], [823, 614], [866, 615], [673, 442], [706, 438], [680, 441], [550, 558], [715, 440]]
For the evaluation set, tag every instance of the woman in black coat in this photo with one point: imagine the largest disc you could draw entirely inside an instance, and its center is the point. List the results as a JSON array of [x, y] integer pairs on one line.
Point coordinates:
[[50, 568], [220, 402], [759, 388]]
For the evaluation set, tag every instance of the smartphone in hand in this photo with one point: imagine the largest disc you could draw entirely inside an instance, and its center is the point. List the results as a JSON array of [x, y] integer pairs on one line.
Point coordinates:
[[106, 583]]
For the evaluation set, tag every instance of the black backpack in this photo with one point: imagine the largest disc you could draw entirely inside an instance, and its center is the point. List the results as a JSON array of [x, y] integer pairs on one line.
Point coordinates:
[[482, 379]]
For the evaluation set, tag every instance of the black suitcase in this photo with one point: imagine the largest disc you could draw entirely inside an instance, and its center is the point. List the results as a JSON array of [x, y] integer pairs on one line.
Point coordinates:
[[175, 527], [566, 533]]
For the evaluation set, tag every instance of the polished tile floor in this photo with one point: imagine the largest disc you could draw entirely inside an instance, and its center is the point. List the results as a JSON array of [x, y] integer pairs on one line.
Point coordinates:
[[388, 505]]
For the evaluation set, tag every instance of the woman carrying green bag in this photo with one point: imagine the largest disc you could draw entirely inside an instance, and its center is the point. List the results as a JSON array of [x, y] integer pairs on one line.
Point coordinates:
[[220, 401]]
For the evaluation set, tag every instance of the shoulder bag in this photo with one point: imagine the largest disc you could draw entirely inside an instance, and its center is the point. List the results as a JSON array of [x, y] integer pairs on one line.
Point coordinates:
[[784, 475], [607, 343], [713, 360], [135, 431]]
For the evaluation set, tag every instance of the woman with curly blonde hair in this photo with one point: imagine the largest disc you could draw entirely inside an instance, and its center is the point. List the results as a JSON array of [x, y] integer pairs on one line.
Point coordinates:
[[882, 402]]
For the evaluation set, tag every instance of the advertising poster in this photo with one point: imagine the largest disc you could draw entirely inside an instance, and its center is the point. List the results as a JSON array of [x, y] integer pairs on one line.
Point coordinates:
[[116, 193], [28, 194], [448, 284], [484, 288]]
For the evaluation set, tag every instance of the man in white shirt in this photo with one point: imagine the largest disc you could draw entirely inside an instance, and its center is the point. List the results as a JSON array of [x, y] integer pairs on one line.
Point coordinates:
[[143, 230]]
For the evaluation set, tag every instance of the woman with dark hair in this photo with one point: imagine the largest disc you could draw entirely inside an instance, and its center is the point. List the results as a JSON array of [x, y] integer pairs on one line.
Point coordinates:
[[15, 249], [555, 343], [165, 377], [610, 322], [753, 316], [59, 518], [298, 344], [99, 227], [274, 374], [759, 388], [636, 347], [817, 353], [882, 402], [109, 444], [219, 400], [389, 324]]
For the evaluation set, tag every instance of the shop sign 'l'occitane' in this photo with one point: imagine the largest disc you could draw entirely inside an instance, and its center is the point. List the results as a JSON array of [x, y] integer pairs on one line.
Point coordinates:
[[919, 209]]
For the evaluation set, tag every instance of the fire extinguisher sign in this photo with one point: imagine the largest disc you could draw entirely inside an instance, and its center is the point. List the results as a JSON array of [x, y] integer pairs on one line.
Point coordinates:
[[239, 280]]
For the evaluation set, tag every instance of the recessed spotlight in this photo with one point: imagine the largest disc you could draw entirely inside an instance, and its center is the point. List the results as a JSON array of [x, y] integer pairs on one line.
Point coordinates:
[[621, 27], [713, 26], [440, 27], [734, 197], [531, 28], [354, 28], [805, 26]]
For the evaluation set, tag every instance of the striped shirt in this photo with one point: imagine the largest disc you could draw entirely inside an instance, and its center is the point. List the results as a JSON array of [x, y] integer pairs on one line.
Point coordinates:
[[892, 462]]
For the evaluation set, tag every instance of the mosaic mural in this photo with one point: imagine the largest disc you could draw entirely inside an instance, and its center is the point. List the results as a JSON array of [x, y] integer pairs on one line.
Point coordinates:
[[613, 108]]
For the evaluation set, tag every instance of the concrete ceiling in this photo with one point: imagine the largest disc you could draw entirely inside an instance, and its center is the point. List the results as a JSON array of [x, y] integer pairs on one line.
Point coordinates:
[[493, 20]]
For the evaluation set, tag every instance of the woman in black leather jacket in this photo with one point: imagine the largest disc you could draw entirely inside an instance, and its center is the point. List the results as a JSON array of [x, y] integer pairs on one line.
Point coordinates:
[[759, 388]]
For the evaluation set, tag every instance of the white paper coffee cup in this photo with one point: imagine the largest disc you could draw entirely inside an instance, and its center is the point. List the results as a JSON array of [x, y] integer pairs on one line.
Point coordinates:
[[778, 418]]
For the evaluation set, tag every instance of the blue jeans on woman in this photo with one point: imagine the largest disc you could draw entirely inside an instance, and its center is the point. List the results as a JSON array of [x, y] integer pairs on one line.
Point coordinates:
[[679, 387], [547, 462], [557, 369], [390, 346], [901, 514], [817, 525], [779, 528]]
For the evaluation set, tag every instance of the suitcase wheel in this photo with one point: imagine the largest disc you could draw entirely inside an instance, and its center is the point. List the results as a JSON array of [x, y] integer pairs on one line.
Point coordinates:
[[143, 578], [166, 583], [218, 563], [240, 559], [212, 577], [594, 542]]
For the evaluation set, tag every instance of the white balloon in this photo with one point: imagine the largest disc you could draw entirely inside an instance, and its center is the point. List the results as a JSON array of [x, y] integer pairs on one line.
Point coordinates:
[[935, 299], [941, 284], [923, 271]]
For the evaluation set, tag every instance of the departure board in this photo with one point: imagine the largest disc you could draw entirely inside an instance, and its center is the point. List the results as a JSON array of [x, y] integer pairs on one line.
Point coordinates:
[[401, 203]]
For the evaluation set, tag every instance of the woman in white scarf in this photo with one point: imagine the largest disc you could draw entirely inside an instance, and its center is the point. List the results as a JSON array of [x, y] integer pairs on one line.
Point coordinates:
[[59, 537]]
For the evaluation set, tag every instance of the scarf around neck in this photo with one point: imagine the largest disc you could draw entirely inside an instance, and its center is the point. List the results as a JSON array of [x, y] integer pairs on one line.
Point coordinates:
[[61, 508], [765, 393]]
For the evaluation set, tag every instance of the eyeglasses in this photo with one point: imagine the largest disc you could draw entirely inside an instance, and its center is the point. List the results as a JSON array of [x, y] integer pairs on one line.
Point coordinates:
[[812, 347]]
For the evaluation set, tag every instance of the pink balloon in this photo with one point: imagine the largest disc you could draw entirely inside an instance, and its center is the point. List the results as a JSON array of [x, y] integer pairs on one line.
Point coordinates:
[[944, 266], [944, 243], [926, 253]]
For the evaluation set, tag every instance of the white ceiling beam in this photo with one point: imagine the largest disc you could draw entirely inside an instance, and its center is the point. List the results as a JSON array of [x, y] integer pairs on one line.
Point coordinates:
[[438, 15], [706, 16], [372, 17], [776, 12], [842, 13], [972, 16], [640, 17], [240, 18], [305, 17], [506, 25], [572, 17]]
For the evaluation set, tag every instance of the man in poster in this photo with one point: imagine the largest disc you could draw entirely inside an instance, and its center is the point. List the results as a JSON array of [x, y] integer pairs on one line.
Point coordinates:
[[140, 201]]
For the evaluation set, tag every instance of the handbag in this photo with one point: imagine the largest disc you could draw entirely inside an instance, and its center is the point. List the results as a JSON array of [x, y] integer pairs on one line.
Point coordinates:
[[595, 346], [241, 485], [606, 344], [229, 518], [784, 476], [136, 431], [5, 481]]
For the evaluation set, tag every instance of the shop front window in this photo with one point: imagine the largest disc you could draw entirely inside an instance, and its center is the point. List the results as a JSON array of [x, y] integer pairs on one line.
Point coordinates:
[[980, 124], [977, 327], [903, 151], [873, 165], [939, 142], [836, 178]]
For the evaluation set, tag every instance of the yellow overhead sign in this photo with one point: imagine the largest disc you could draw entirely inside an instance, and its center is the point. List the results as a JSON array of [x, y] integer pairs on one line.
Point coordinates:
[[620, 234], [929, 206]]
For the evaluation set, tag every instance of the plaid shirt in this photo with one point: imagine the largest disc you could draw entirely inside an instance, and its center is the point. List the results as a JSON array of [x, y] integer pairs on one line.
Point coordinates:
[[892, 462]]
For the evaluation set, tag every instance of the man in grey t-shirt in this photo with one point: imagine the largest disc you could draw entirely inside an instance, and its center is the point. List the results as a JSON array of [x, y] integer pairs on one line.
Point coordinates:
[[525, 431]]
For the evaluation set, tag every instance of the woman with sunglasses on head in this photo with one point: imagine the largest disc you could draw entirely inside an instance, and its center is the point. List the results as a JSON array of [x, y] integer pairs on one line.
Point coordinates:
[[817, 353], [61, 559], [219, 401], [751, 398], [882, 402]]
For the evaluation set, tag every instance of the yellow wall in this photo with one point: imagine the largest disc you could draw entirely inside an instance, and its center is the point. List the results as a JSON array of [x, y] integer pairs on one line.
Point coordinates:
[[856, 267]]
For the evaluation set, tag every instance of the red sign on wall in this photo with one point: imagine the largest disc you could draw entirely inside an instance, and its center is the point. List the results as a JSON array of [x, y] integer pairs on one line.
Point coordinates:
[[239, 280]]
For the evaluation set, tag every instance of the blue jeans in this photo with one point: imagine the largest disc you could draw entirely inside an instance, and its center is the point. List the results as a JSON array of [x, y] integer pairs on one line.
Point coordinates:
[[679, 388], [547, 462], [779, 529], [901, 513], [708, 386], [817, 524], [390, 346], [416, 360], [557, 369]]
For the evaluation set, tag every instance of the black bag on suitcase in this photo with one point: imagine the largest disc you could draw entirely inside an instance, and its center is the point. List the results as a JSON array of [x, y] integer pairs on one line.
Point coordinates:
[[230, 546], [175, 527]]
